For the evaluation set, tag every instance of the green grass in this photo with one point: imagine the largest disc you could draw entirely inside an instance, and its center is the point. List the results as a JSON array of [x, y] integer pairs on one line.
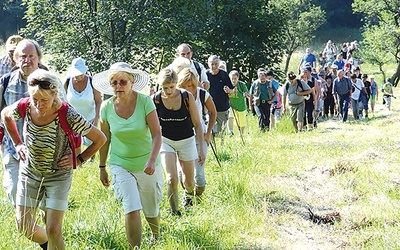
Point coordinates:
[[258, 198]]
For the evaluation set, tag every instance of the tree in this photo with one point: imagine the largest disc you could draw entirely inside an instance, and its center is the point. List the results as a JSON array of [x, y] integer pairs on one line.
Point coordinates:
[[302, 19], [382, 22], [11, 13], [247, 38], [105, 31]]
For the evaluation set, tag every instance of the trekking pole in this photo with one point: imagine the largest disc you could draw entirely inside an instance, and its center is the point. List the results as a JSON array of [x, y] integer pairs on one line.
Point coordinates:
[[215, 154], [237, 123]]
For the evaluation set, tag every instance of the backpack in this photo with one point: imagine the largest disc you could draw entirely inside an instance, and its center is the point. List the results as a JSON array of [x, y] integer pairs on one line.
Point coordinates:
[[298, 85], [74, 138], [184, 93]]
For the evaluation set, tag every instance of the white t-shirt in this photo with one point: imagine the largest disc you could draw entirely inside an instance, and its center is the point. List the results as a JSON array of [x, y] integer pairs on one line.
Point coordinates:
[[359, 85], [200, 108], [83, 102]]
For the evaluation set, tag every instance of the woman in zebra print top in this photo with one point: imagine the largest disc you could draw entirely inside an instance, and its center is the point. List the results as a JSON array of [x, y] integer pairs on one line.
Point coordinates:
[[46, 161]]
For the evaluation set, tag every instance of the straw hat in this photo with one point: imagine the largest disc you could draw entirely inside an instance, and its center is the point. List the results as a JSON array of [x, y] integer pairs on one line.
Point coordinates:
[[78, 67], [102, 83]]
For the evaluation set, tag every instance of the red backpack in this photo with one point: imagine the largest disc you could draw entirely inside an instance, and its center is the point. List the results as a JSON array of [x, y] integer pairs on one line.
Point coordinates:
[[74, 138]]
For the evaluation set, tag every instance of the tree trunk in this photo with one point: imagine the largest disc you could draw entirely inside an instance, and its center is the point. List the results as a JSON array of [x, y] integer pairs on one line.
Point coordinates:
[[396, 76]]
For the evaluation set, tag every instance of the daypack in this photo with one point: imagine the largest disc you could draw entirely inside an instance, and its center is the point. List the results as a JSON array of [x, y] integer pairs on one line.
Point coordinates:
[[298, 85], [74, 138]]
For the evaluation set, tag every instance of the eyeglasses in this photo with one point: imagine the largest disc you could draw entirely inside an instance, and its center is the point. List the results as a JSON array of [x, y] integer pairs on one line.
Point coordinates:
[[41, 84], [121, 83]]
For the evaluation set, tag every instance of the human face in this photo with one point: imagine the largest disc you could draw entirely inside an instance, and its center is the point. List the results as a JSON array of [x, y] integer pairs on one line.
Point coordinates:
[[43, 103], [262, 77], [184, 51], [308, 51], [234, 79], [214, 66], [121, 85], [189, 86], [28, 58], [169, 89], [79, 78]]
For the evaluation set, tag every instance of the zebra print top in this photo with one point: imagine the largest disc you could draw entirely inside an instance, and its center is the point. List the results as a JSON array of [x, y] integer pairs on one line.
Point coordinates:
[[48, 143]]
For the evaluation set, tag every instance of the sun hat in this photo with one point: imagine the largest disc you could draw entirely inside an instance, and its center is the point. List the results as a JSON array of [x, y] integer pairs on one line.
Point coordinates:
[[102, 84], [78, 67]]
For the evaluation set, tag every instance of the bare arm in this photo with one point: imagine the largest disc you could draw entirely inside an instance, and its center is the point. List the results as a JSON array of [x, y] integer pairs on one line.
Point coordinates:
[[194, 115], [105, 128], [213, 118], [154, 126], [97, 102]]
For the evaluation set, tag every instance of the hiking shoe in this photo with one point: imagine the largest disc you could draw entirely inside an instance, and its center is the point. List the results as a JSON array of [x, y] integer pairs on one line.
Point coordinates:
[[187, 201], [176, 213]]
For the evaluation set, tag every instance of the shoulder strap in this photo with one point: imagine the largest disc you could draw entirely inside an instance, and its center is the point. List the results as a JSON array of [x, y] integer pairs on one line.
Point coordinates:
[[202, 100], [67, 82], [157, 98], [198, 69], [62, 116], [300, 84], [185, 97], [6, 80], [22, 105]]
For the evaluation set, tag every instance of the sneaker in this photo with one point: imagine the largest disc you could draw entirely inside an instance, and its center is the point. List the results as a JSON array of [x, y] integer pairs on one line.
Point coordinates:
[[187, 201], [231, 133], [360, 117]]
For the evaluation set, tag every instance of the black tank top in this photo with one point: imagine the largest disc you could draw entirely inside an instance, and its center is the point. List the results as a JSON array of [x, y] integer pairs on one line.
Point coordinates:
[[175, 124]]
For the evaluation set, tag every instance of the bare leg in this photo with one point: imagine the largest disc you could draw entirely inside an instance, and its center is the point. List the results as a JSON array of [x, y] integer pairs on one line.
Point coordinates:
[[188, 175], [168, 160], [54, 229], [154, 224], [26, 224], [133, 228]]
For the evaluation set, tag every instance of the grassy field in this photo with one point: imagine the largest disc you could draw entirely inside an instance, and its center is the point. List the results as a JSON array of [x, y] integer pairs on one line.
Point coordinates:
[[262, 195]]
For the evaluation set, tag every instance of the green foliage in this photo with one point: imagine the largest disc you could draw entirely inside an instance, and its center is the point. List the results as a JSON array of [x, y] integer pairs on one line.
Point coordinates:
[[302, 19]]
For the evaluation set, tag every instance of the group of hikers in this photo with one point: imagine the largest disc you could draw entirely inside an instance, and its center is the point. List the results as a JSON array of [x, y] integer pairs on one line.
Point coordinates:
[[48, 127]]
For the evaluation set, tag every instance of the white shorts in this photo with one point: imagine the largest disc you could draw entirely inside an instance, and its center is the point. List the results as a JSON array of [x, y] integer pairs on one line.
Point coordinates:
[[138, 190], [185, 149]]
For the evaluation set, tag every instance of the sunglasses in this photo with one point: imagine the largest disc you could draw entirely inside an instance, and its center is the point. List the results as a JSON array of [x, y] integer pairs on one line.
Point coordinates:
[[41, 84], [121, 83]]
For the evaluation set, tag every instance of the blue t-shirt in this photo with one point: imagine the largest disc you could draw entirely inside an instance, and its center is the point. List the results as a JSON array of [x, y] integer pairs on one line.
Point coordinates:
[[308, 58]]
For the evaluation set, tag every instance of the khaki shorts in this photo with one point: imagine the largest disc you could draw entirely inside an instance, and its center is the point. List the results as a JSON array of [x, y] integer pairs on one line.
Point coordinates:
[[33, 184], [185, 149], [138, 190], [238, 116]]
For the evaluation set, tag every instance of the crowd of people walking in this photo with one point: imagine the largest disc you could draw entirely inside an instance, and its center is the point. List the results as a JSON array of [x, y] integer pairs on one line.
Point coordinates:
[[140, 136]]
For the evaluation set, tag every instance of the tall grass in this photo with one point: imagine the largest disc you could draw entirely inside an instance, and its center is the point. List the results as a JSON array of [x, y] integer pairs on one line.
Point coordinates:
[[260, 195]]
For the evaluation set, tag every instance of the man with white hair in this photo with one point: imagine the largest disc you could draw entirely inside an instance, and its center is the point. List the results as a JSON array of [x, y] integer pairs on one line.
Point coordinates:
[[185, 50], [342, 90]]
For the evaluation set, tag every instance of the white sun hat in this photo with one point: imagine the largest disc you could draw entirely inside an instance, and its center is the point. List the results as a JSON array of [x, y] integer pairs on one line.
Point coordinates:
[[78, 67], [102, 83]]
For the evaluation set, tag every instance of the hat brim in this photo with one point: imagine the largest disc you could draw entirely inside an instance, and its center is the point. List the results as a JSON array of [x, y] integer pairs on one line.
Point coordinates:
[[101, 83], [73, 72]]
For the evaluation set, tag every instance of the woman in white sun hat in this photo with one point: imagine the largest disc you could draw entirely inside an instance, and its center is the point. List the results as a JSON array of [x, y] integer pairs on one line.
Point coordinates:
[[81, 94], [130, 122]]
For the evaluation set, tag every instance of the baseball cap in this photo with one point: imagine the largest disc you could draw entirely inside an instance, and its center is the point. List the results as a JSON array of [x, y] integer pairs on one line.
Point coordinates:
[[291, 75], [12, 42], [364, 76], [261, 70], [269, 73]]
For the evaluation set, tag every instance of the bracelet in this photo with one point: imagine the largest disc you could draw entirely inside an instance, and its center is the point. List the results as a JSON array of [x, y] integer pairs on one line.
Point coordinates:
[[102, 166], [80, 158]]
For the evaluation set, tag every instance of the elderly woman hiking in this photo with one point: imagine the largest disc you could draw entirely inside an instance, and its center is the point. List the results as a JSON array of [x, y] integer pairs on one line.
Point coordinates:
[[46, 163], [129, 121]]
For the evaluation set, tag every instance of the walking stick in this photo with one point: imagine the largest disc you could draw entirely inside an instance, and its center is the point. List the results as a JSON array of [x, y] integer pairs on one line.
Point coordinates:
[[215, 154], [237, 123]]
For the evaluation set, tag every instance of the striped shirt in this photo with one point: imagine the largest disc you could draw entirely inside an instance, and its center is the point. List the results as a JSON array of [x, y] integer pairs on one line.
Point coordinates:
[[48, 143]]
